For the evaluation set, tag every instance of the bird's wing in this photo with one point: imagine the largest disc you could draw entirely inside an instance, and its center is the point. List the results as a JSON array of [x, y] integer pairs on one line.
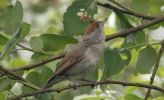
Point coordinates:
[[71, 58]]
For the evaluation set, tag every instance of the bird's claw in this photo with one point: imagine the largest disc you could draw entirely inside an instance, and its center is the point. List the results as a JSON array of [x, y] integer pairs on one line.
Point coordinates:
[[75, 84], [94, 84]]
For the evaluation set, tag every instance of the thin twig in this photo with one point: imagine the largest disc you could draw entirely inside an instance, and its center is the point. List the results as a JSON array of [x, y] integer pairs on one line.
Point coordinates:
[[29, 49], [88, 84], [8, 72], [28, 67], [140, 45], [135, 29], [155, 69], [106, 5], [17, 78]]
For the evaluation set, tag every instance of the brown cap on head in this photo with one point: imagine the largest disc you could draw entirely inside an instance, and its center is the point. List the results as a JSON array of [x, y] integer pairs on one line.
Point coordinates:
[[93, 26]]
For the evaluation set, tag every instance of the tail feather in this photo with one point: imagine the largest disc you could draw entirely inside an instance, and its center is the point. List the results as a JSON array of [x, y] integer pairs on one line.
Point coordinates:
[[52, 80]]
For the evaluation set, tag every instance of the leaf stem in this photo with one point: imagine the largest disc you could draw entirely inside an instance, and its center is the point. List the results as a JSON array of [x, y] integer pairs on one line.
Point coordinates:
[[155, 69], [29, 49]]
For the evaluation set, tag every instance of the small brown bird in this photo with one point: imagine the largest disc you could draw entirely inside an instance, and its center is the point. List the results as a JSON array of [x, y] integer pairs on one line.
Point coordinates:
[[83, 58]]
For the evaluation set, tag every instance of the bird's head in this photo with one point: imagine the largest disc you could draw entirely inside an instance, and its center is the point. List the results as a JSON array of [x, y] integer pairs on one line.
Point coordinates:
[[94, 31]]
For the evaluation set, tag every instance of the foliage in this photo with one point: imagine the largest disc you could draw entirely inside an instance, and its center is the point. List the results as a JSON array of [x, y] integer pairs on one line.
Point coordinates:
[[130, 58]]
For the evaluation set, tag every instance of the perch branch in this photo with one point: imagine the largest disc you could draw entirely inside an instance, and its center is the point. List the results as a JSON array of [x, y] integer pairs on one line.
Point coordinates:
[[28, 67], [88, 84]]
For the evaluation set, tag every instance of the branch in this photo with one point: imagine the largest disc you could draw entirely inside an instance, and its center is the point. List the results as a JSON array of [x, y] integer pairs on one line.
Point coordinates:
[[155, 69], [129, 12], [28, 67], [110, 37], [14, 76], [121, 6], [135, 29], [7, 72], [89, 84]]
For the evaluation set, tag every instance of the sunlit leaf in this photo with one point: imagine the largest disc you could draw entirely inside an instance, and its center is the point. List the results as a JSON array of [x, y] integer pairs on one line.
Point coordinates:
[[3, 96], [128, 56], [4, 3], [132, 97], [17, 62]]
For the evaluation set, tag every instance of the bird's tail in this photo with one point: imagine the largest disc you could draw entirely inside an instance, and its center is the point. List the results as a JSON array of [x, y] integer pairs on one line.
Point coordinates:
[[51, 81]]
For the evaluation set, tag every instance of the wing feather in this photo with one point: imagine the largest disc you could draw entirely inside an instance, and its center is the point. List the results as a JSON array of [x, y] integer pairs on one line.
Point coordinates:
[[72, 57]]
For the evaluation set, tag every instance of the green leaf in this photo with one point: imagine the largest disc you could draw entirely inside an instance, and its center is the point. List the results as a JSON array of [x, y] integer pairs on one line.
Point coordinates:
[[146, 59], [45, 96], [17, 62], [45, 74], [140, 38], [128, 56], [122, 21], [32, 77], [13, 18], [56, 42], [72, 23], [37, 78], [3, 40], [36, 43], [25, 29], [140, 6], [155, 8], [113, 62], [132, 97], [4, 3], [5, 83], [11, 43], [3, 96]]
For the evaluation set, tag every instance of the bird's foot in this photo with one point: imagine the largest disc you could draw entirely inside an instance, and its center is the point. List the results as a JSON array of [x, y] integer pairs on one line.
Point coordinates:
[[94, 84], [74, 83]]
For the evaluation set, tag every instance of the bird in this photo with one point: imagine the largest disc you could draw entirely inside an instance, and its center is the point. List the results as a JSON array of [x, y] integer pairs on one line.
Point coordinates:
[[83, 58]]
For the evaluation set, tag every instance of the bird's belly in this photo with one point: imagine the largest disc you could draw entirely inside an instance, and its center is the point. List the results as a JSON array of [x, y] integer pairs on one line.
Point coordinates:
[[82, 68]]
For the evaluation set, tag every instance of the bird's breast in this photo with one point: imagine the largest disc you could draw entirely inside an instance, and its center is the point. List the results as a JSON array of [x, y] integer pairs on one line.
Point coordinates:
[[94, 53]]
